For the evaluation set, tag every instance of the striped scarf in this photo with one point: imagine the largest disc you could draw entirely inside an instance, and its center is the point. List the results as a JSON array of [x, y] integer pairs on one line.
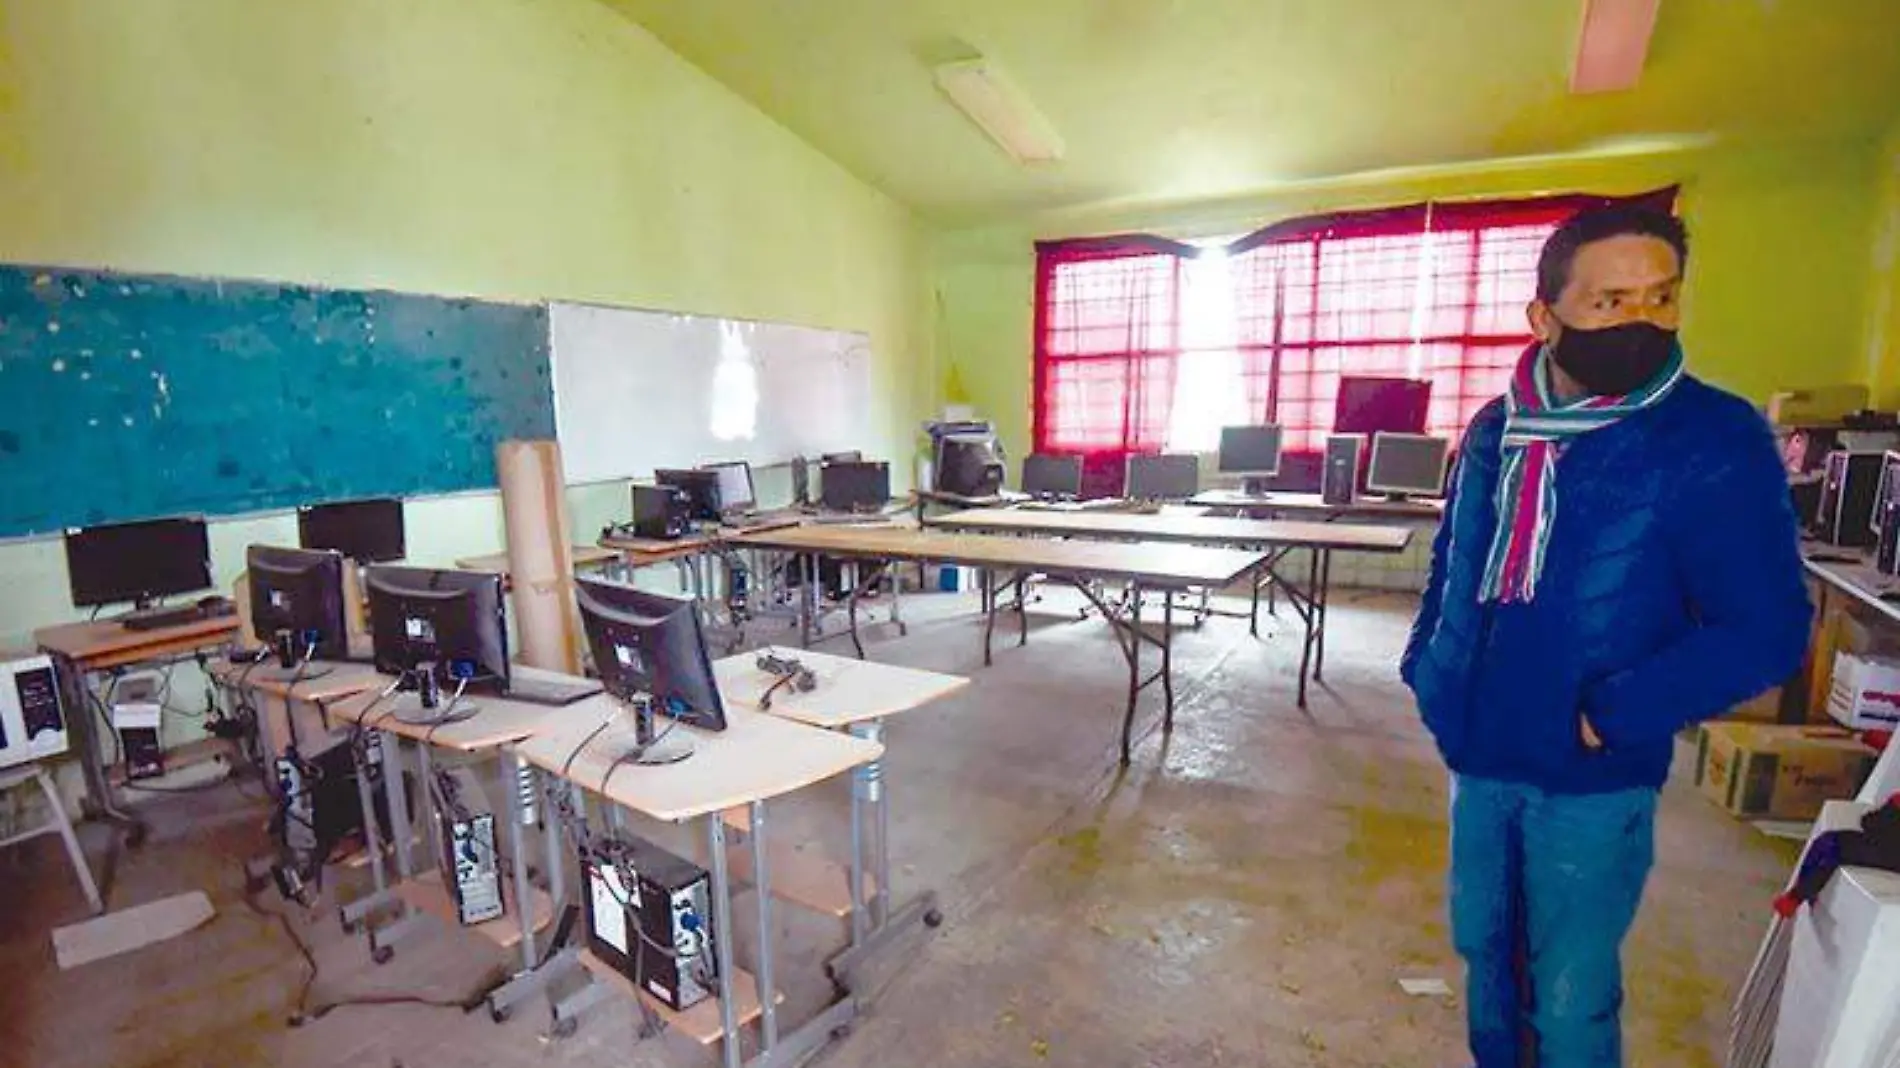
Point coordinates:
[[1536, 428]]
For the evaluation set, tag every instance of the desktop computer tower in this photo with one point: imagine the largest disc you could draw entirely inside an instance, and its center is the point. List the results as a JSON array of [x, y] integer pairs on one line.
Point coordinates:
[[649, 916], [661, 513], [1886, 519], [1339, 482], [471, 867], [32, 723], [1844, 515]]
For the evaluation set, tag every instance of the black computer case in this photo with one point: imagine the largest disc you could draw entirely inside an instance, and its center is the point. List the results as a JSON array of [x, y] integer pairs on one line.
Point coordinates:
[[1844, 515], [639, 897]]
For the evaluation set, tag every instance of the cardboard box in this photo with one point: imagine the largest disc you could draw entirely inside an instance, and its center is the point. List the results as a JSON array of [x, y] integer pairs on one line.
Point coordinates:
[[1773, 772], [1864, 692], [1763, 709]]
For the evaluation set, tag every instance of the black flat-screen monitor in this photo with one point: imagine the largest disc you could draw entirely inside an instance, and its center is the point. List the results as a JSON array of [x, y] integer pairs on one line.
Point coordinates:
[[1052, 476], [1408, 465], [736, 491], [1167, 477], [137, 562], [1250, 450], [702, 488], [368, 531], [454, 620], [651, 644], [1382, 405], [854, 486], [299, 591]]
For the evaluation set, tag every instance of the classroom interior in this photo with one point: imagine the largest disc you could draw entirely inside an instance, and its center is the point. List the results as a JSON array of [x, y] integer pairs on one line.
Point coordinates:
[[1248, 868]]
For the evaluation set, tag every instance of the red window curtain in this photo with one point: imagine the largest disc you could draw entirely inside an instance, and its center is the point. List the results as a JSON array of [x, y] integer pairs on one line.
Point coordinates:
[[1107, 339], [1434, 291]]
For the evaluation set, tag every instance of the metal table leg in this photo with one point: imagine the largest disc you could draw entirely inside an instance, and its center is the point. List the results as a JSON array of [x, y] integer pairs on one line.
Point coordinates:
[[1322, 595], [722, 936], [366, 757], [97, 804], [872, 933], [762, 890], [383, 939]]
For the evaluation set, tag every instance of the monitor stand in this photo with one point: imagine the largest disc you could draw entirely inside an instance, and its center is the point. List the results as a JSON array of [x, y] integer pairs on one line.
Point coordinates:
[[1256, 487], [648, 747], [1394, 497], [299, 672]]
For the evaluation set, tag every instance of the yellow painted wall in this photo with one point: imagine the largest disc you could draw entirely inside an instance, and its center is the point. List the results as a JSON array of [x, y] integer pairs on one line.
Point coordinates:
[[1777, 280], [505, 148], [1883, 293]]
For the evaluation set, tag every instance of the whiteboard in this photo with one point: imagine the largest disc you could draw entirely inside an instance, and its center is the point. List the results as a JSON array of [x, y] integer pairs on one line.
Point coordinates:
[[638, 390]]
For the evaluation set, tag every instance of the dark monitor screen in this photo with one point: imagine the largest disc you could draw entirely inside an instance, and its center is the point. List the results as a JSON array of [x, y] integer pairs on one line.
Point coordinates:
[[300, 591], [1250, 449], [968, 465], [1886, 493], [849, 456], [1052, 476], [368, 531], [453, 619], [1170, 476], [702, 488], [854, 487], [1382, 405], [136, 562], [647, 643], [1408, 464], [736, 492]]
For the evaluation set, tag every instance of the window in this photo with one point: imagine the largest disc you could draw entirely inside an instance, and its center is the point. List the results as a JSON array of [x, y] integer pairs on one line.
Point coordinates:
[[1145, 344]]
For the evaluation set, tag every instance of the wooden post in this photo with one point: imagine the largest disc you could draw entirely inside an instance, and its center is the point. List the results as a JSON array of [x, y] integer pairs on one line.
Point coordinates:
[[540, 555]]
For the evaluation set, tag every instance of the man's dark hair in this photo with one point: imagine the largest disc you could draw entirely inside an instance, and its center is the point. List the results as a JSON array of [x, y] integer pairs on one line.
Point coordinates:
[[1596, 224]]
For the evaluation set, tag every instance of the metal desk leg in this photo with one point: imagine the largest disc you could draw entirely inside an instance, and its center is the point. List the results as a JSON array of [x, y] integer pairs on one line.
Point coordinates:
[[762, 890], [382, 940], [1167, 662], [1253, 613], [1022, 609], [81, 717], [722, 936], [884, 926], [1321, 596], [1134, 672], [524, 790], [807, 601], [989, 615], [1311, 619], [356, 911]]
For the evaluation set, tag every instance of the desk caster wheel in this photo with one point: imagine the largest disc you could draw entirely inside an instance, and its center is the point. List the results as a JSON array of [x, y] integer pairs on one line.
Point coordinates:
[[383, 954], [564, 1029], [933, 919], [499, 1014]]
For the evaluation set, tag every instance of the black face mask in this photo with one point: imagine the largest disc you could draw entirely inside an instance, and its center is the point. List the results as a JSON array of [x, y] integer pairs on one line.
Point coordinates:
[[1614, 360]]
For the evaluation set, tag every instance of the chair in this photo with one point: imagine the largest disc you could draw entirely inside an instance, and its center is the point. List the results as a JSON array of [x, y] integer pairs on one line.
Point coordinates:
[[1052, 476], [60, 823]]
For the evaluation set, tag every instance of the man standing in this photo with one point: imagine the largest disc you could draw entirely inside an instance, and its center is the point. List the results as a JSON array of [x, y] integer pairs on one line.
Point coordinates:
[[1619, 559]]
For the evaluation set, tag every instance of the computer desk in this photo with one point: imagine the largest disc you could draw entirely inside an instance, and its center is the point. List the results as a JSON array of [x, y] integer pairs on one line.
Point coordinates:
[[1844, 578], [586, 558], [104, 647], [853, 696], [1313, 504], [498, 724], [757, 758], [1082, 564], [284, 703]]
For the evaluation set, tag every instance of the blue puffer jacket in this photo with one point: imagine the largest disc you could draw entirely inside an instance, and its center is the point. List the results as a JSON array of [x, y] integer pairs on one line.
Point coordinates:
[[1672, 589]]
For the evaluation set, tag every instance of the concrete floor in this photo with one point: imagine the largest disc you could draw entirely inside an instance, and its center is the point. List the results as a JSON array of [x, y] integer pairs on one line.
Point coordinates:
[[1248, 892]]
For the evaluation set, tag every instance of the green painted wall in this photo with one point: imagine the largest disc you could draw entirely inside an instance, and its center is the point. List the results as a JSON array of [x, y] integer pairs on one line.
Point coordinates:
[[508, 148], [1883, 293], [1778, 280]]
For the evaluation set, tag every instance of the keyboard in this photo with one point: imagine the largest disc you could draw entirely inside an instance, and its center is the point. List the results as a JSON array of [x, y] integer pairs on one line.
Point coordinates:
[[552, 692], [177, 615]]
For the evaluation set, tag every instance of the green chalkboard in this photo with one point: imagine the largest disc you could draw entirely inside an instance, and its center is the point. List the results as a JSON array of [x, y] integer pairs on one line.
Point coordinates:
[[127, 396]]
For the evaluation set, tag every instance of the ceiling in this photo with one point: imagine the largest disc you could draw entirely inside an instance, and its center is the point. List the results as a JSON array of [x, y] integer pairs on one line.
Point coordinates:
[[1174, 100]]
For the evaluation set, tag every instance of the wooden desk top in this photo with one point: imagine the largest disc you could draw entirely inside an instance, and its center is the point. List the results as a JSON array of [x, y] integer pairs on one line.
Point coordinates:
[[849, 691], [757, 757], [343, 680], [584, 556], [1181, 565], [498, 722], [1858, 580], [1206, 530], [1312, 502], [655, 550], [106, 644]]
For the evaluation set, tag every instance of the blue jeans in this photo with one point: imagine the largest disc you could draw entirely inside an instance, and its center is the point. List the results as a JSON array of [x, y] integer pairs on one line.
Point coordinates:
[[1543, 889]]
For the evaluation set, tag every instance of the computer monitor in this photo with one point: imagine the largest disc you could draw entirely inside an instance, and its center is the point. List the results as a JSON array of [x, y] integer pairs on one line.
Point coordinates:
[[1369, 405], [1251, 451], [854, 486], [736, 491], [137, 563], [1885, 492], [1167, 477], [368, 531], [297, 605], [969, 465], [849, 456], [650, 653], [702, 488], [1052, 476], [453, 620], [1408, 465]]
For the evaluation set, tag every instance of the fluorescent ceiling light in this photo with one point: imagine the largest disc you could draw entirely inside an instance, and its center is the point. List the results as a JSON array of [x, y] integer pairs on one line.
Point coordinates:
[[1000, 109]]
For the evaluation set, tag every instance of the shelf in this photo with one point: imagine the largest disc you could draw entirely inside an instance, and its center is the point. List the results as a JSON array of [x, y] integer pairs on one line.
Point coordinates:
[[799, 878], [701, 1023], [425, 892]]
